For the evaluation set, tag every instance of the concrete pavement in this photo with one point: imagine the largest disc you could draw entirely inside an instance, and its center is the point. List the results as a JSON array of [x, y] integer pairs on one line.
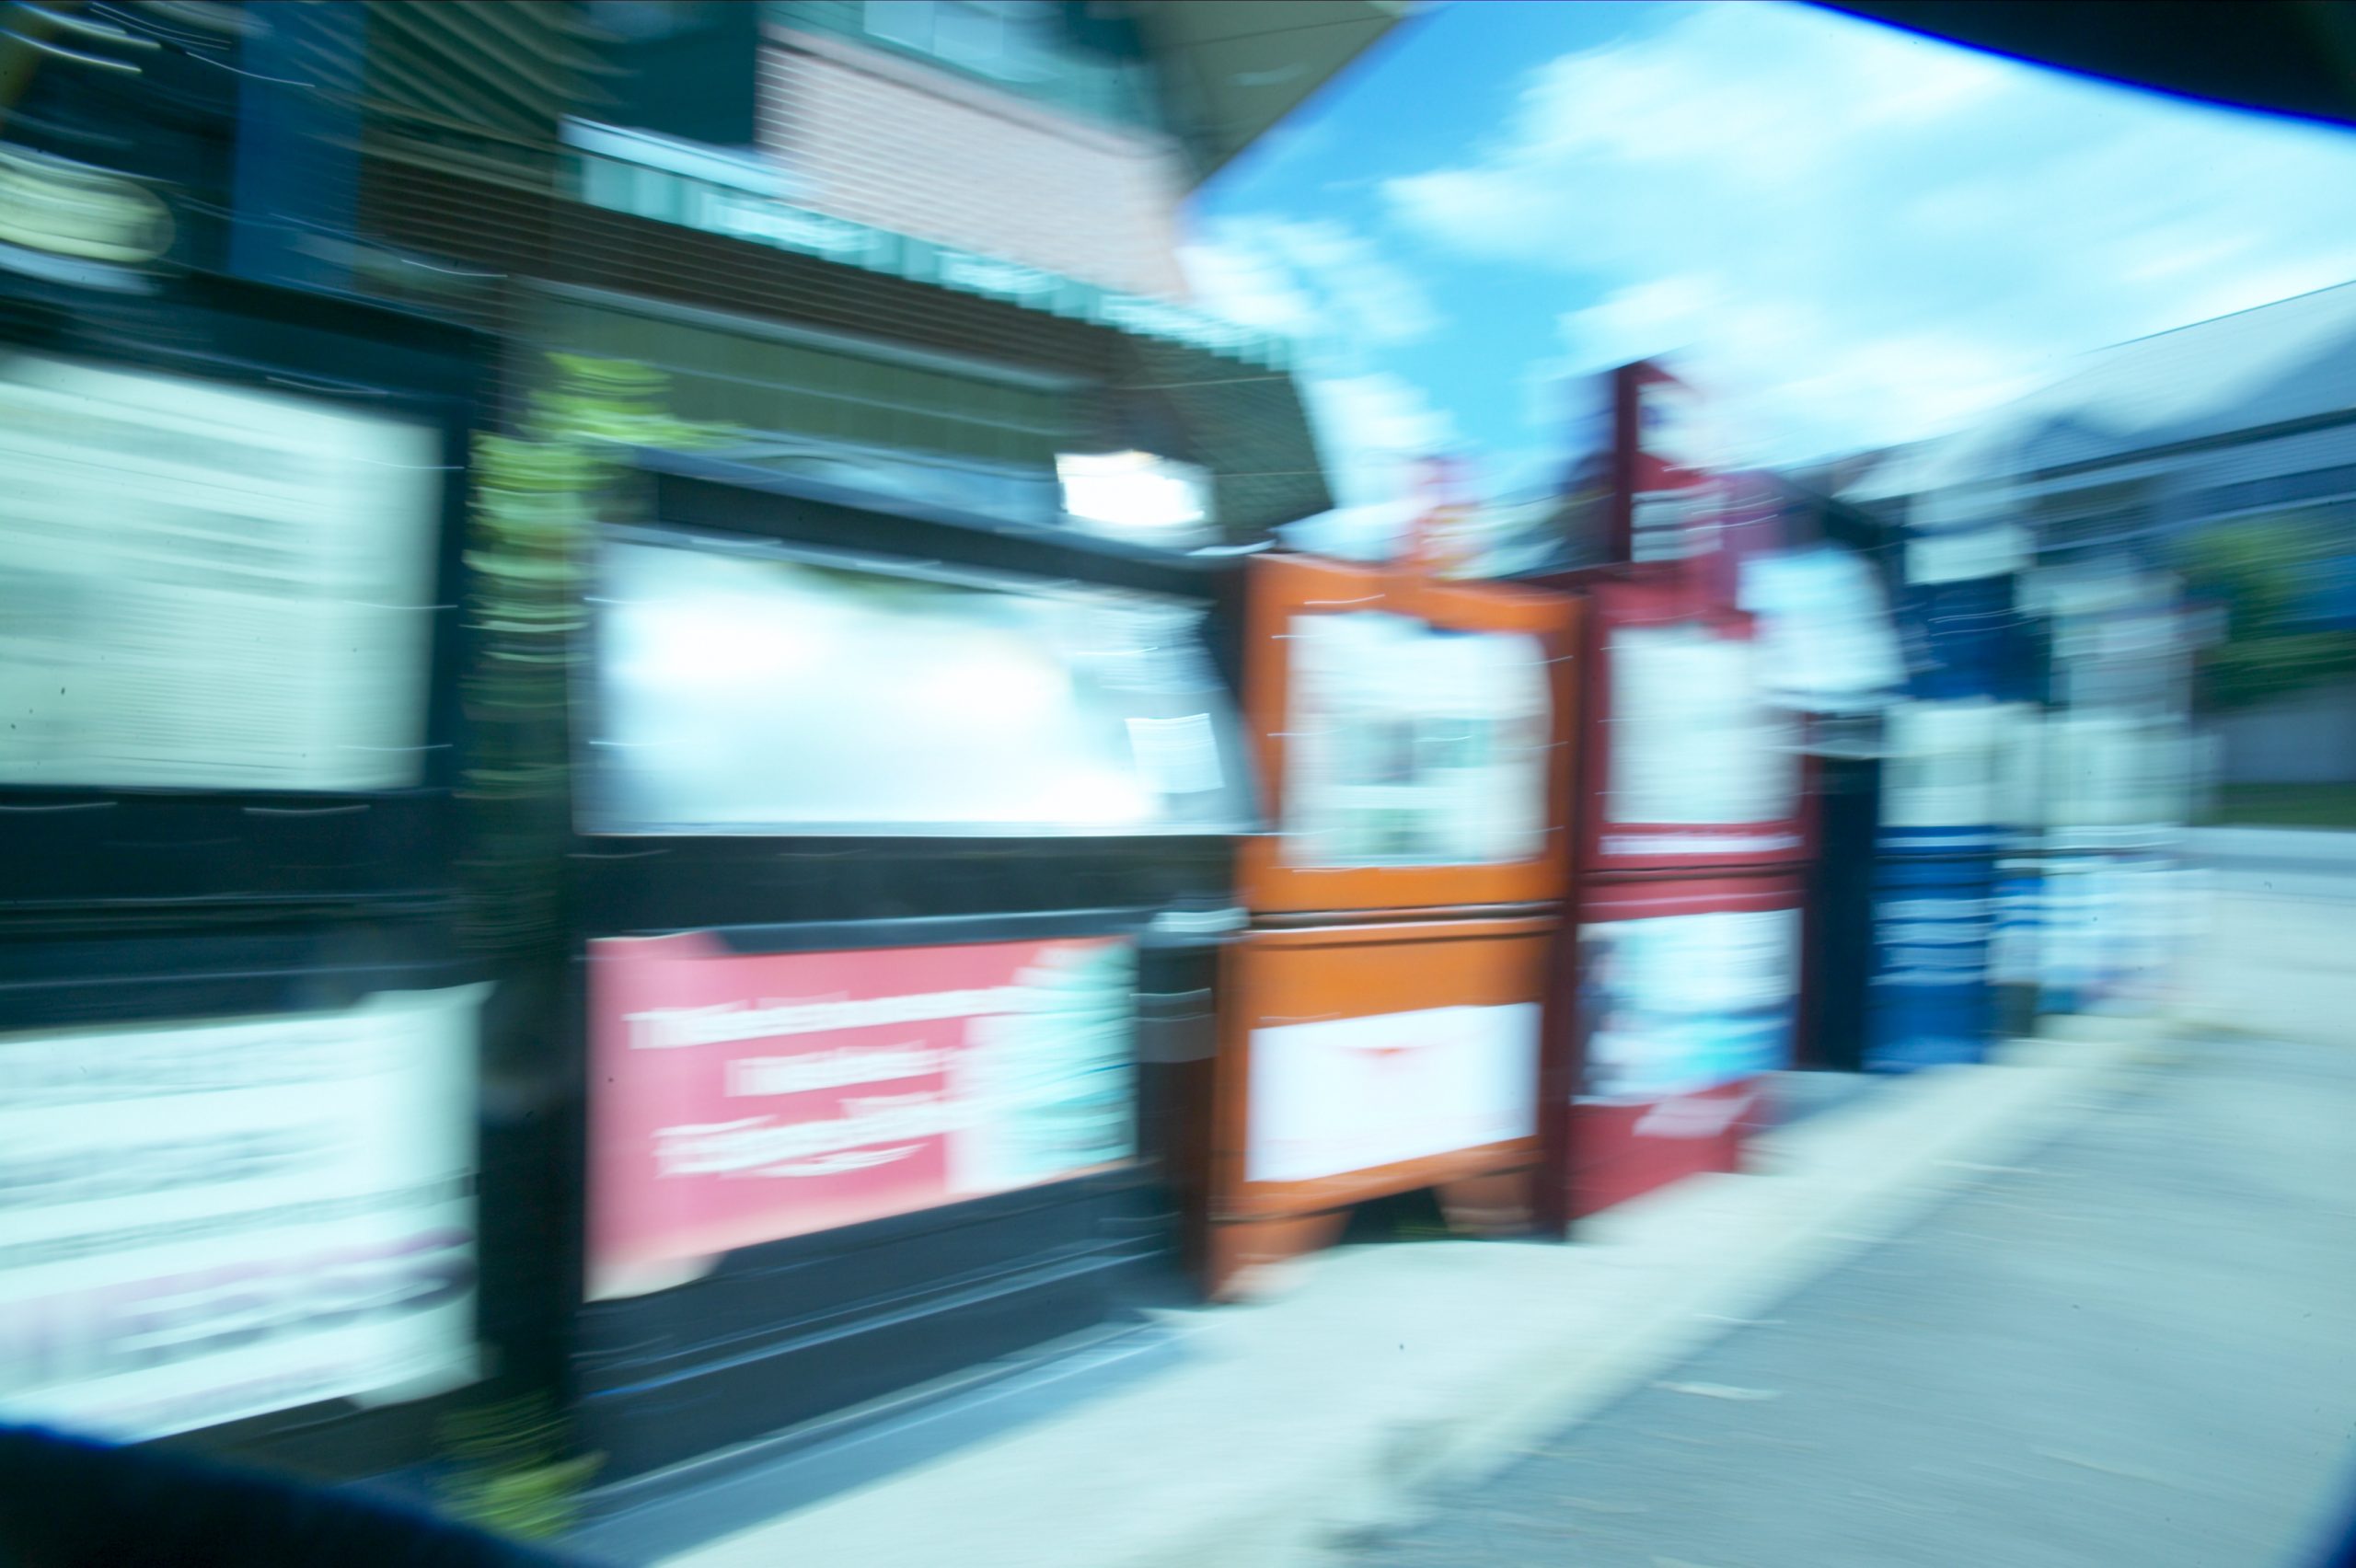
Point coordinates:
[[2136, 1347], [1387, 1380], [1388, 1375], [2273, 949]]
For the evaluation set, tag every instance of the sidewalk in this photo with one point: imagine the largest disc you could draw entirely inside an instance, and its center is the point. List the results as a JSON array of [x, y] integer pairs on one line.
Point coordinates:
[[1284, 1428], [2270, 953], [2130, 1347]]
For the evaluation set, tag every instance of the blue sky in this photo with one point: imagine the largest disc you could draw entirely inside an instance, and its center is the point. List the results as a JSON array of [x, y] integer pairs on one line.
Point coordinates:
[[1849, 235]]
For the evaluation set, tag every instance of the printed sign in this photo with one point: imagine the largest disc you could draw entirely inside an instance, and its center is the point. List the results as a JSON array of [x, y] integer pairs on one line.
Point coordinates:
[[1350, 1094], [1827, 642], [1013, 706], [1945, 762], [1411, 745], [205, 1222], [1693, 742], [744, 1098], [206, 587], [1641, 485], [1679, 1003]]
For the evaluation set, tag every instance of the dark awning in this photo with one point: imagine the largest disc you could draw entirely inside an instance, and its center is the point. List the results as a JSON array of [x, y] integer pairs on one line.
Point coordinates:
[[2295, 57]]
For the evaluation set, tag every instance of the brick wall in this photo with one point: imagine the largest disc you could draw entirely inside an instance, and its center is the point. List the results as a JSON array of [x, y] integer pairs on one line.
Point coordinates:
[[883, 140]]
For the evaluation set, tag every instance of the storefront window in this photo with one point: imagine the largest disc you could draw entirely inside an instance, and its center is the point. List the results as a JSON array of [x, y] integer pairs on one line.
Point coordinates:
[[1025, 47], [743, 689]]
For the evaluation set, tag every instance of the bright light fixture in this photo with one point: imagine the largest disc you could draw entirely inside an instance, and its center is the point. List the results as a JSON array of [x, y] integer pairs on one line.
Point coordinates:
[[1137, 494]]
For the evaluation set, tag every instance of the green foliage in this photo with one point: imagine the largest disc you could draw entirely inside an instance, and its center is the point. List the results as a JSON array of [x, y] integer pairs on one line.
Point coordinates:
[[510, 1473], [2285, 805], [535, 494], [2259, 569]]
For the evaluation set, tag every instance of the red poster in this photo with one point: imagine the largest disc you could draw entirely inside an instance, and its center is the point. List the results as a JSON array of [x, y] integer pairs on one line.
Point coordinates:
[[743, 1098]]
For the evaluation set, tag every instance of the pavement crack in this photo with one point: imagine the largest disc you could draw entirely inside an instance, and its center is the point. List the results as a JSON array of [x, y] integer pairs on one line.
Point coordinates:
[[1720, 1391]]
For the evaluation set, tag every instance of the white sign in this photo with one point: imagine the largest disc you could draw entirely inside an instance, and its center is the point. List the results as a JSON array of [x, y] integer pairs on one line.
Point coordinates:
[[1673, 426], [205, 1222], [1826, 638], [1691, 739], [1945, 764], [203, 587], [1980, 552], [1680, 1003], [73, 210], [1357, 1093], [1137, 495], [1410, 746]]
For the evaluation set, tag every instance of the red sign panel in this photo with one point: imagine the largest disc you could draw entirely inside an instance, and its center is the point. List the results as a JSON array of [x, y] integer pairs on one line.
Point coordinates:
[[1671, 493], [744, 1097]]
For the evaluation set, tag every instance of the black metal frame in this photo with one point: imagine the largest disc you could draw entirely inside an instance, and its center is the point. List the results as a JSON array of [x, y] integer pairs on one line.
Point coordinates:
[[800, 1329], [109, 848], [152, 976], [125, 906]]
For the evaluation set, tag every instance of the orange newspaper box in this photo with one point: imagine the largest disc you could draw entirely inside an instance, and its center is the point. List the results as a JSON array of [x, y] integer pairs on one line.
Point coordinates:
[[1383, 1020], [1413, 738], [1361, 1060]]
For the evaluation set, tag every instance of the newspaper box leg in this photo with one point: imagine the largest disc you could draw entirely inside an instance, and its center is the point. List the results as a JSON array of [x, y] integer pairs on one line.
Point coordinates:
[[1243, 1251], [1504, 1202]]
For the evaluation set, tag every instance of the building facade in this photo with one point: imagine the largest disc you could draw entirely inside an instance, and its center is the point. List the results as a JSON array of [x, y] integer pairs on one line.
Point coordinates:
[[911, 254]]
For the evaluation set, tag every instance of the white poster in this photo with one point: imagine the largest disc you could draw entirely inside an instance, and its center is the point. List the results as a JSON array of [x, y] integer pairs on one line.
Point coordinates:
[[1354, 1093], [1410, 746], [1011, 706], [1967, 553], [206, 587], [1945, 762], [209, 1221], [1691, 739], [1680, 1003], [1827, 642]]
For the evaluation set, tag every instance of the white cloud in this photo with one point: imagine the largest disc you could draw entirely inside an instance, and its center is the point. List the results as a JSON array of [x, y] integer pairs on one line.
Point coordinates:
[[1371, 430], [1328, 289], [1317, 280], [1369, 297], [1857, 235], [1246, 283]]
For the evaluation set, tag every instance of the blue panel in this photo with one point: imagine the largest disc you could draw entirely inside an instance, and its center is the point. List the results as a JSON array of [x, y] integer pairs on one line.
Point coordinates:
[[1930, 1003]]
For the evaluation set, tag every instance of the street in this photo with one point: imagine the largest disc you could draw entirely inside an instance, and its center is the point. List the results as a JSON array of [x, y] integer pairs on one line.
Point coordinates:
[[2139, 1347]]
